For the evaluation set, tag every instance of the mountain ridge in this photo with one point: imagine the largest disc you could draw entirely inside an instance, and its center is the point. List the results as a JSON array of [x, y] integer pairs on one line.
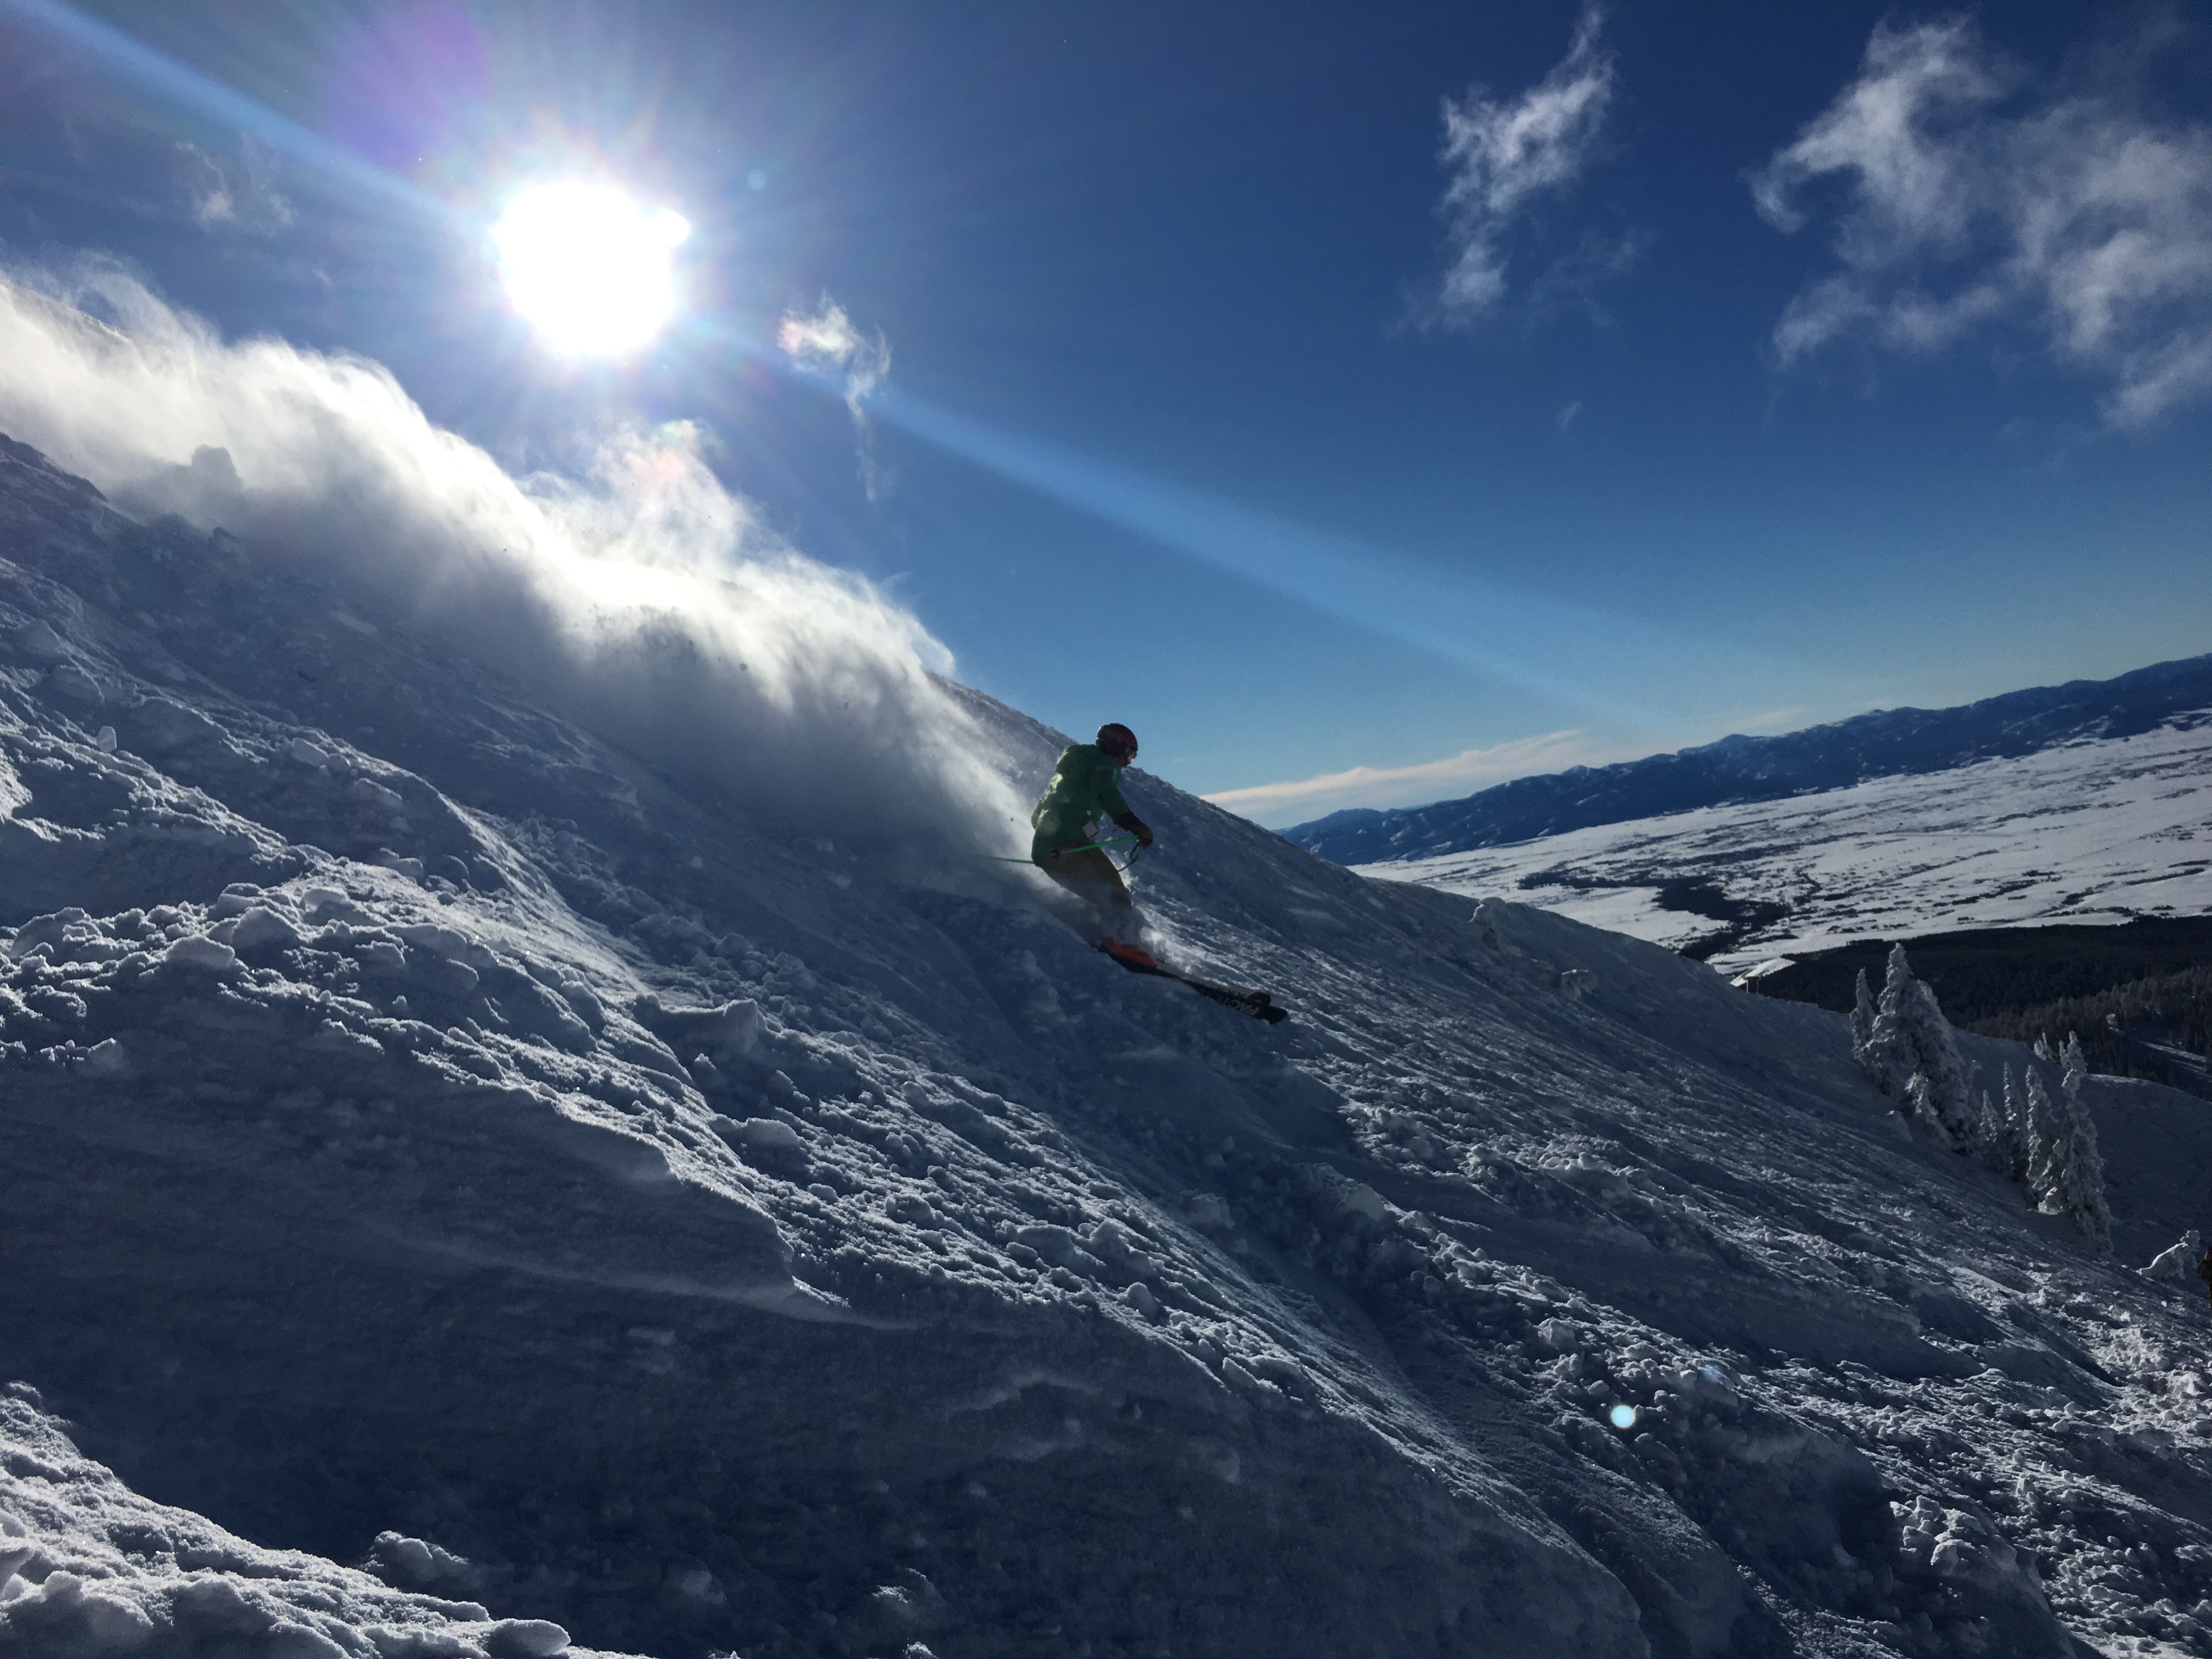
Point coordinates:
[[1737, 769]]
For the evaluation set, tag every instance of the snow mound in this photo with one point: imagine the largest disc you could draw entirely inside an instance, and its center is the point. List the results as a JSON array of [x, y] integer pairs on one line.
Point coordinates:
[[90, 1570]]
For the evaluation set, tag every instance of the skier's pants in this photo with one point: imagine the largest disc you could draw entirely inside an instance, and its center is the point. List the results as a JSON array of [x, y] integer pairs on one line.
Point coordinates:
[[1091, 876]]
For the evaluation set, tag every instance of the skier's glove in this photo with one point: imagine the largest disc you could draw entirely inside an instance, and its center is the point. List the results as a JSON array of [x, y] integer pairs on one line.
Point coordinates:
[[1136, 827]]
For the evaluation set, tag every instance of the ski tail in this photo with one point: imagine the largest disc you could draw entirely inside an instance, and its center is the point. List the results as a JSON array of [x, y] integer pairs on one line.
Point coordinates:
[[1245, 1000], [1258, 1004]]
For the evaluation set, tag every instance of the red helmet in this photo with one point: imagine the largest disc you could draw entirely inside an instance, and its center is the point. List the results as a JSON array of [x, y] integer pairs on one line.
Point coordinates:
[[1116, 738]]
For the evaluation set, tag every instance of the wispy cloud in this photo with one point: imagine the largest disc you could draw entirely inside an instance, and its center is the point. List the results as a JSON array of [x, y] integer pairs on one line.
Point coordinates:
[[828, 344], [1766, 720], [2078, 217], [1506, 156], [1439, 780], [240, 196]]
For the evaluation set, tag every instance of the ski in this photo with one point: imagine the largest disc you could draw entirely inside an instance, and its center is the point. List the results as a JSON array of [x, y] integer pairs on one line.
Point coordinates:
[[1257, 1004]]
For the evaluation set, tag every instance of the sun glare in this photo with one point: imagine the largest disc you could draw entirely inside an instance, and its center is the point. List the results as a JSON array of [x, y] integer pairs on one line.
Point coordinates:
[[588, 267]]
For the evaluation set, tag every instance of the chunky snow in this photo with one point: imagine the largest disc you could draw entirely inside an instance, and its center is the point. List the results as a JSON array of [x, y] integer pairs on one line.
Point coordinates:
[[2099, 830], [89, 1567], [446, 1138]]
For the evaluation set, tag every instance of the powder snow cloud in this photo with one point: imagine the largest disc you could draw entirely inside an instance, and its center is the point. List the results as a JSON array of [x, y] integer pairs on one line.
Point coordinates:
[[1972, 202], [828, 344], [1505, 158], [644, 599]]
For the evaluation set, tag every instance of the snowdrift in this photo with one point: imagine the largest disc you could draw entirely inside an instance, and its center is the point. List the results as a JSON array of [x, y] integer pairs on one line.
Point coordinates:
[[89, 1567], [599, 1201]]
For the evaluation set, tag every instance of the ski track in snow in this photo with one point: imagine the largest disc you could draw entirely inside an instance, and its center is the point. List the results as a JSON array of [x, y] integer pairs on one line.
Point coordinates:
[[435, 1140], [2095, 831]]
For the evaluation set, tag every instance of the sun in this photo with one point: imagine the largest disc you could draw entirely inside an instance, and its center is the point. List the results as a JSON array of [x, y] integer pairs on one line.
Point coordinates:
[[588, 266]]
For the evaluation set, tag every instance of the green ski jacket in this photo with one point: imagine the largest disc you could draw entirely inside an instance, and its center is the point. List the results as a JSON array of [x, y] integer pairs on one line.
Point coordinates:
[[1085, 785]]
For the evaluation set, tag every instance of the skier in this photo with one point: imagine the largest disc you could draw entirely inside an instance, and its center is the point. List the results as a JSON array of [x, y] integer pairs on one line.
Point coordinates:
[[2204, 1273], [1086, 785]]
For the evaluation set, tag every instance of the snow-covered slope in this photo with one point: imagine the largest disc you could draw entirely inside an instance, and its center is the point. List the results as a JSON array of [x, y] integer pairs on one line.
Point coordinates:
[[436, 1138], [2101, 830]]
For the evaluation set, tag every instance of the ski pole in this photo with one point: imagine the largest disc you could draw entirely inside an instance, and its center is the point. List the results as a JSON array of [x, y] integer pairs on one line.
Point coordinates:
[[1098, 846], [1091, 847]]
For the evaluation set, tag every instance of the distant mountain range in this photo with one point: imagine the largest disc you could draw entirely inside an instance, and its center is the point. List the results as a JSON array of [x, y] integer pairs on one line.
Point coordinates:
[[1888, 742]]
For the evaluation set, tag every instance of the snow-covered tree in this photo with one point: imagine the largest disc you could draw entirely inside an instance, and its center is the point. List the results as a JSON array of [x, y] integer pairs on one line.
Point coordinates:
[[1998, 1140], [1922, 1106], [1910, 1053], [2043, 1051], [1906, 1046], [2017, 1118], [2080, 1191], [2042, 1125], [2065, 1174], [1878, 1044]]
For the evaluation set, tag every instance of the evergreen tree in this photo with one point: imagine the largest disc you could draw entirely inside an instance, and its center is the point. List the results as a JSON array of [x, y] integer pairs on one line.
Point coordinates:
[[2044, 1141], [1912, 1056], [1996, 1142], [1907, 1048], [1863, 1019], [1950, 1087], [1886, 1056], [2078, 1172], [2017, 1133], [1923, 1108]]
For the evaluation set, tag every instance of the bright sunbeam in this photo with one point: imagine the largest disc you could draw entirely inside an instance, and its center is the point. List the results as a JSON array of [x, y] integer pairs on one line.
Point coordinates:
[[590, 268]]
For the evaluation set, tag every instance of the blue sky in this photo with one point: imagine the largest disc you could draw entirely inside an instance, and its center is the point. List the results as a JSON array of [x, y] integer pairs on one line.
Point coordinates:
[[1365, 404]]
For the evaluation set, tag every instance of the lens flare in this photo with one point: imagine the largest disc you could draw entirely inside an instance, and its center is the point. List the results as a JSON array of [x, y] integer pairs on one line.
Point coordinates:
[[1622, 1417], [587, 267]]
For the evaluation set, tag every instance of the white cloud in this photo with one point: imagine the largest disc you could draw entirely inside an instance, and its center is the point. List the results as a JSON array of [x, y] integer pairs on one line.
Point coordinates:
[[1766, 720], [828, 344], [242, 198], [644, 601], [2079, 218], [1506, 155], [1462, 774]]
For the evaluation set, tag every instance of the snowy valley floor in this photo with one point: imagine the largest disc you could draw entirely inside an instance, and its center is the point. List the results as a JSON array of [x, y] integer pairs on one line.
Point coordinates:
[[435, 1142], [2097, 830]]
